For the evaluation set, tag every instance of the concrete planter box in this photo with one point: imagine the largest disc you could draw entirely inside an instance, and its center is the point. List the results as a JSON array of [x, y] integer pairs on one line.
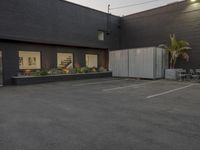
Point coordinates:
[[27, 80], [171, 74]]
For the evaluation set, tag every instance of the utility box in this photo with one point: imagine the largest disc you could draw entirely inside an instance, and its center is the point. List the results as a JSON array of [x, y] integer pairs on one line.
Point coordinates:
[[148, 63]]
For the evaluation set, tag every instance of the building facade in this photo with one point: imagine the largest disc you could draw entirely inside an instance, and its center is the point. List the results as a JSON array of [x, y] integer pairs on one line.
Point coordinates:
[[153, 27], [37, 34]]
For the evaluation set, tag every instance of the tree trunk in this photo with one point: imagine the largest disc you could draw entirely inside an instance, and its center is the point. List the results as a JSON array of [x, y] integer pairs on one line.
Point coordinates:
[[171, 63], [174, 63]]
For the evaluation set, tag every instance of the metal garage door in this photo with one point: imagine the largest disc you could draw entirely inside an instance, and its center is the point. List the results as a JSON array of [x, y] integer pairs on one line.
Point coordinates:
[[118, 63], [141, 63], [149, 62]]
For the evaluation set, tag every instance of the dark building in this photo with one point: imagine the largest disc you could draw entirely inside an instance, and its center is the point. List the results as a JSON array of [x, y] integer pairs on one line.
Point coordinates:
[[153, 27], [50, 27], [37, 34]]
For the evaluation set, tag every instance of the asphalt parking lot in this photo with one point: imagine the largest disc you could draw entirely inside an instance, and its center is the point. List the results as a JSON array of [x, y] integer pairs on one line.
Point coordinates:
[[101, 114]]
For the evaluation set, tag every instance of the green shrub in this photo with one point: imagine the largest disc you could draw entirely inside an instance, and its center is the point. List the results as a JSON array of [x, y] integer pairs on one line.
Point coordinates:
[[43, 73], [72, 70], [85, 70], [78, 70], [93, 69], [36, 73], [55, 71]]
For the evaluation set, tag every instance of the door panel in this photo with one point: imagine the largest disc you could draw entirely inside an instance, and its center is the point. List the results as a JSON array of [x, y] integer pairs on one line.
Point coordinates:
[[118, 63], [1, 69]]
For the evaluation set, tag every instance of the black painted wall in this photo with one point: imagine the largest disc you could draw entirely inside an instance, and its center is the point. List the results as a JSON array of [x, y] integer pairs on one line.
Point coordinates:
[[48, 53], [151, 28], [56, 22]]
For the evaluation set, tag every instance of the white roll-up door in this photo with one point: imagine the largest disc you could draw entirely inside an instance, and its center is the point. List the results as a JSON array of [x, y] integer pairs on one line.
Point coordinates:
[[118, 63], [147, 63]]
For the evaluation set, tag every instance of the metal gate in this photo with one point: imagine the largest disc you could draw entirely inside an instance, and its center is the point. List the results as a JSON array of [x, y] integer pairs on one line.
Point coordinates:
[[1, 69]]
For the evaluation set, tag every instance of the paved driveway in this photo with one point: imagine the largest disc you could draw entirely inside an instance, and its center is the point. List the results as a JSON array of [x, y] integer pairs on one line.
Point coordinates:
[[101, 114]]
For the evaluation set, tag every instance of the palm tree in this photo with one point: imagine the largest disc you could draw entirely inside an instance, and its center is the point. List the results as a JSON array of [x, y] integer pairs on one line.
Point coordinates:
[[176, 49]]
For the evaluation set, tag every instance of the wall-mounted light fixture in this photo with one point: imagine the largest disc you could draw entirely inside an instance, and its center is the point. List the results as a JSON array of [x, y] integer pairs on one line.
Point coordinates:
[[195, 4]]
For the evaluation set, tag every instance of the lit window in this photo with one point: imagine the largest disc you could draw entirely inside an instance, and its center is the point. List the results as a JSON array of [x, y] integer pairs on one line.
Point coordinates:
[[91, 60], [64, 60], [29, 60], [100, 35]]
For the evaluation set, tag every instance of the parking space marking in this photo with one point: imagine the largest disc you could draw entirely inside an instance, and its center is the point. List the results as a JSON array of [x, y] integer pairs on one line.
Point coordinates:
[[170, 91], [99, 82], [129, 86]]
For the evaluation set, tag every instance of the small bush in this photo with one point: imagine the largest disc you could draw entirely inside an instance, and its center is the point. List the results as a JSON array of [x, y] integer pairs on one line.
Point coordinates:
[[72, 70], [102, 69], [78, 70], [36, 73], [85, 70], [43, 73], [55, 71], [93, 69], [27, 72]]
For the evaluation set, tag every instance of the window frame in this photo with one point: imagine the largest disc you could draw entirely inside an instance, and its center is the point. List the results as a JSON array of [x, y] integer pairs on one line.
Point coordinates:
[[65, 53], [91, 54], [99, 32], [28, 51]]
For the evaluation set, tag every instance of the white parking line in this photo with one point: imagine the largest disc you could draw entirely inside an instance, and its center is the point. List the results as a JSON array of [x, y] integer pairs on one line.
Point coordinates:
[[129, 86], [100, 82], [170, 91]]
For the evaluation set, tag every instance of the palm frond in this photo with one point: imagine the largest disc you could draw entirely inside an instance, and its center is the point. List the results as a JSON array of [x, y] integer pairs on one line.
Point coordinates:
[[163, 46], [184, 49], [183, 43], [176, 49]]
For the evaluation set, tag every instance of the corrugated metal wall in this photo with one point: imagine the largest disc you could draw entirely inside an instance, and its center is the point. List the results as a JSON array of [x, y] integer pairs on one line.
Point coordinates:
[[153, 27], [118, 63], [147, 63], [141, 62]]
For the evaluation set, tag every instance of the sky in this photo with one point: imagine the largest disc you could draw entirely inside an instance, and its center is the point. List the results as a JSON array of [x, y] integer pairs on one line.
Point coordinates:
[[103, 5]]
